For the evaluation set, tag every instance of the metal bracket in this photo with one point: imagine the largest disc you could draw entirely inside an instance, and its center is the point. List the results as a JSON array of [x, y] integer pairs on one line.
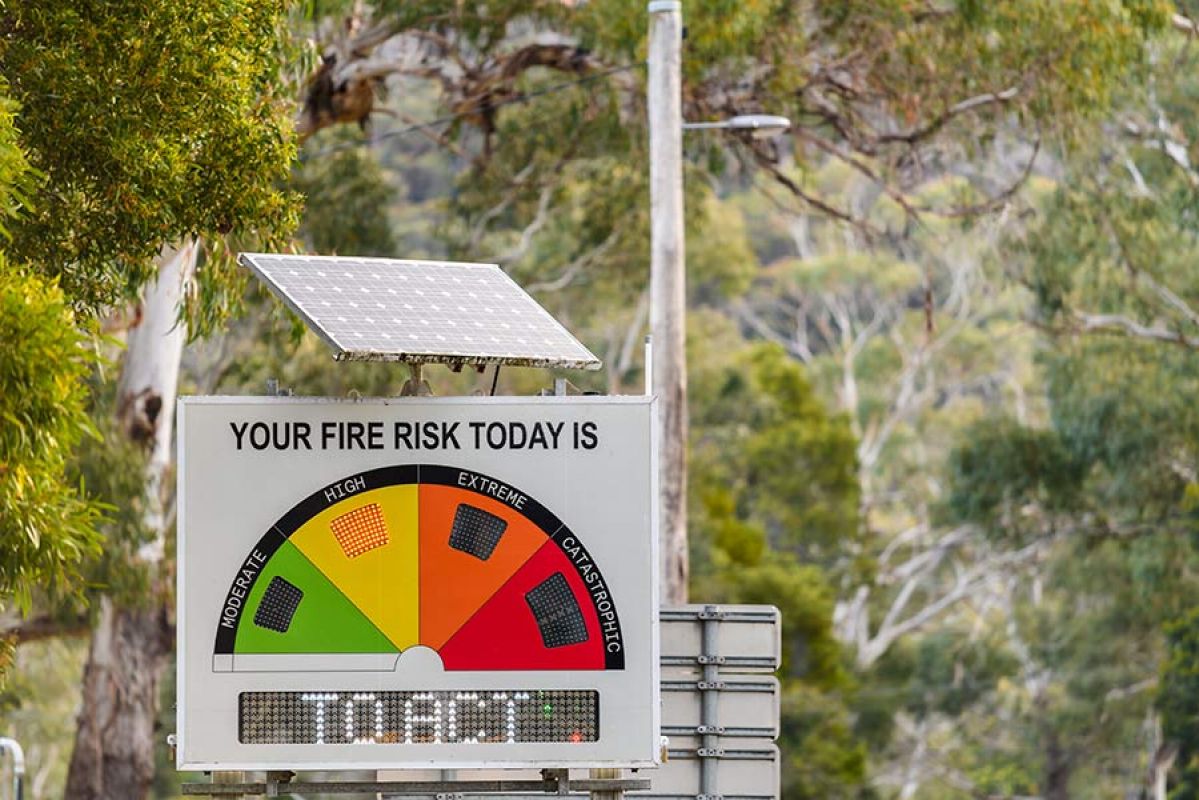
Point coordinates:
[[560, 776], [273, 389], [710, 659], [553, 784]]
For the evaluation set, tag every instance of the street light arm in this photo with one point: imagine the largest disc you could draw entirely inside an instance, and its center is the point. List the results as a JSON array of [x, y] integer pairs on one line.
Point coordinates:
[[706, 126], [761, 124]]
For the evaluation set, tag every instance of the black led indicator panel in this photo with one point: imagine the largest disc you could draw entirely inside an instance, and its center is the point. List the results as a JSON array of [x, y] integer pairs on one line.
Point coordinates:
[[557, 612], [495, 716], [279, 604], [476, 531]]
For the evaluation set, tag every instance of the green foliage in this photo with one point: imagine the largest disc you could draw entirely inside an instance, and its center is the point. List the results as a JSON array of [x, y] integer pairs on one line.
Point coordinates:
[[138, 123], [45, 518], [347, 201], [17, 178], [151, 121], [823, 757], [1067, 56], [1110, 258], [1178, 699], [113, 468], [770, 458], [1123, 407], [38, 706], [46, 524], [1001, 467], [773, 487]]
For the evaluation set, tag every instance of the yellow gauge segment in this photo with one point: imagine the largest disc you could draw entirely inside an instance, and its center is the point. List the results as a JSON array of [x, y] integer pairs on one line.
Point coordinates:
[[368, 545]]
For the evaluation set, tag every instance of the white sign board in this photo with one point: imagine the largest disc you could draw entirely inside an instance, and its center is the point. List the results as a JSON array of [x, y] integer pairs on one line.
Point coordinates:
[[441, 583]]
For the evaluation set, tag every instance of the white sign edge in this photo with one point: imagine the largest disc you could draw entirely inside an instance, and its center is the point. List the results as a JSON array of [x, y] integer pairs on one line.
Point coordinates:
[[182, 765]]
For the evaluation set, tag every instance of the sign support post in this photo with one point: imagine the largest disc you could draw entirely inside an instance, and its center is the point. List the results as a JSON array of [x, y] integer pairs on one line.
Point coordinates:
[[606, 774], [224, 777]]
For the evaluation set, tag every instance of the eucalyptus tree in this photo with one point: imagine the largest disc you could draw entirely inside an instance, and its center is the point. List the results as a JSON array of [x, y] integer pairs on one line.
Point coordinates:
[[1102, 483], [544, 105], [542, 109], [47, 523], [154, 127]]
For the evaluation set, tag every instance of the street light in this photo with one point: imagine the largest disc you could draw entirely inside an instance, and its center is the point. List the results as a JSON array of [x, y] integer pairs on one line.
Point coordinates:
[[762, 125], [668, 298]]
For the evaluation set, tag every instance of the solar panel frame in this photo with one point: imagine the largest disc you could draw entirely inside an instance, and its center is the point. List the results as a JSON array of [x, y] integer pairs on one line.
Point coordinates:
[[557, 348]]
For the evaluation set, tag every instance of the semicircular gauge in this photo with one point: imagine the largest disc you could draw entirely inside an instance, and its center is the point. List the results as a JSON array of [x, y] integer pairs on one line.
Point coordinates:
[[431, 556]]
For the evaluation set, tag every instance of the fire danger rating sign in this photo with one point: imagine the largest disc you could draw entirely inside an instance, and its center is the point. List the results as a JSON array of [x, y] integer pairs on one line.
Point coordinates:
[[435, 582]]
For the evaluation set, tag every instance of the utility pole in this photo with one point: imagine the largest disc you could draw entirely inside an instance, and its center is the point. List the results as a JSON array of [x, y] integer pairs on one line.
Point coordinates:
[[668, 289]]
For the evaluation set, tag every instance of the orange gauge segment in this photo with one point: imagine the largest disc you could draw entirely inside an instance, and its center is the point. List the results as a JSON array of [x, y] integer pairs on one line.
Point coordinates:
[[367, 545], [470, 545], [541, 619]]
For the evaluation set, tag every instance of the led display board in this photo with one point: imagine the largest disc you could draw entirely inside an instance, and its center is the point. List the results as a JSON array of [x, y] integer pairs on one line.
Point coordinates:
[[445, 583]]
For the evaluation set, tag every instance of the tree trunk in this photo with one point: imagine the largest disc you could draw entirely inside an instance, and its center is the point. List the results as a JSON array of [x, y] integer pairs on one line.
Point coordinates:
[[131, 645], [115, 737], [1058, 767]]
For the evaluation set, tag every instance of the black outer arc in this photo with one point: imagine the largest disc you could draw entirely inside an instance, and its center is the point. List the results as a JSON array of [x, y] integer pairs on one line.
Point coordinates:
[[436, 474]]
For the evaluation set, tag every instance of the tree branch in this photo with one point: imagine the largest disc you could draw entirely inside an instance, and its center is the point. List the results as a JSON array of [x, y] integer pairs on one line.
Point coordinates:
[[1185, 24], [966, 584], [567, 276], [526, 236], [478, 230], [957, 109], [1118, 323], [995, 201], [42, 627], [787, 183], [640, 316], [742, 311]]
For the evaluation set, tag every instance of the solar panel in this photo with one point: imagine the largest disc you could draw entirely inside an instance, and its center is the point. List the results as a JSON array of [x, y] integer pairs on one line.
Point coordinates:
[[557, 612], [382, 309]]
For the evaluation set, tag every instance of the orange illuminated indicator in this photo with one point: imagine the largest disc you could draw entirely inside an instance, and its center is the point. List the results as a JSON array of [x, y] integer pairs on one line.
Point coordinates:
[[361, 530]]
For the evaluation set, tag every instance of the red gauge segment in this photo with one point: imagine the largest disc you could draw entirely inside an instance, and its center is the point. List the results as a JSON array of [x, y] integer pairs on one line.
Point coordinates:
[[541, 619]]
